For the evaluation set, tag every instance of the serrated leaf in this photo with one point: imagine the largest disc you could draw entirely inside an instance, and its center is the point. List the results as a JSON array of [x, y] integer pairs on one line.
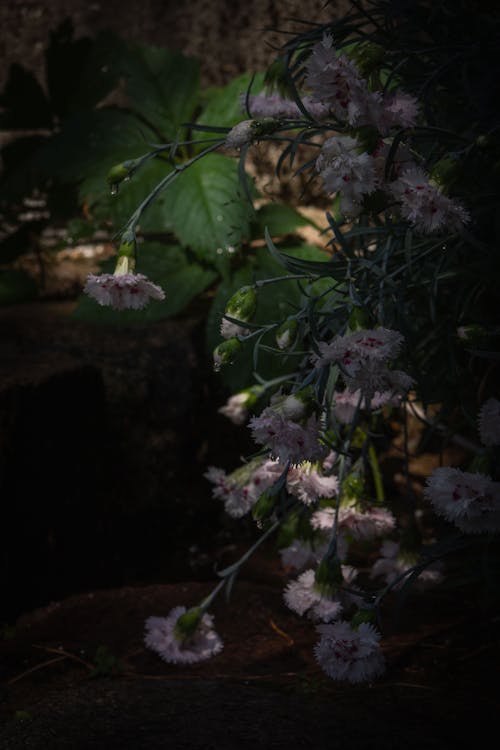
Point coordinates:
[[280, 219], [224, 106], [207, 209], [165, 265]]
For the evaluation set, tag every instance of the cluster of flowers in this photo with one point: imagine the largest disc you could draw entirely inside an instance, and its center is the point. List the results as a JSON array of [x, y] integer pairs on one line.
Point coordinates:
[[339, 92], [297, 469]]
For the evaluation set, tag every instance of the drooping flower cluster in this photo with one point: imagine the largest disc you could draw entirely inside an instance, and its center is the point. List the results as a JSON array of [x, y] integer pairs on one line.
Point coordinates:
[[347, 653], [163, 637]]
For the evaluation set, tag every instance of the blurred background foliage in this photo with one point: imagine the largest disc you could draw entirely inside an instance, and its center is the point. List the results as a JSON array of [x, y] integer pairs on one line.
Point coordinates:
[[106, 101]]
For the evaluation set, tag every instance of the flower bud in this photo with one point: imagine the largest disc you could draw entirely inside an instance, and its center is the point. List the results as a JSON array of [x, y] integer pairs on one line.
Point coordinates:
[[328, 576], [121, 172], [368, 57], [287, 334], [264, 507], [298, 405], [358, 319], [361, 616], [186, 625], [242, 304], [247, 131], [225, 353]]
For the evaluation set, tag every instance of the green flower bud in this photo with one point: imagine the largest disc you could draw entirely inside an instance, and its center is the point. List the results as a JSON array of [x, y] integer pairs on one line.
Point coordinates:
[[226, 352], [121, 172], [328, 576], [287, 334], [299, 405], [186, 625], [353, 487], [446, 171], [358, 319], [363, 615], [242, 304], [368, 56], [264, 507]]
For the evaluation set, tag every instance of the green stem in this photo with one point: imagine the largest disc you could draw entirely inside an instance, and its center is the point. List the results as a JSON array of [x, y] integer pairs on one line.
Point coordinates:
[[376, 473]]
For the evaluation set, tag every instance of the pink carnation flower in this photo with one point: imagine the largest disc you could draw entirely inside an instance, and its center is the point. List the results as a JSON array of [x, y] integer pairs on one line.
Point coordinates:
[[489, 422], [287, 440], [391, 565], [346, 171], [335, 81], [308, 485], [304, 596], [470, 501], [126, 291], [299, 554], [424, 205], [160, 637], [363, 357], [361, 525], [241, 489], [347, 402], [274, 105], [349, 654]]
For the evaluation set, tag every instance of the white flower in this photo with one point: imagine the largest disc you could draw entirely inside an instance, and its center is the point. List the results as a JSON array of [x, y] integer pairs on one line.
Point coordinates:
[[236, 408], [345, 170], [229, 330], [299, 554], [391, 565], [361, 525], [160, 637], [349, 654], [125, 291], [274, 105], [308, 485], [241, 489], [287, 440], [335, 82], [424, 205], [363, 357], [347, 402], [489, 422], [396, 110], [470, 501], [304, 595]]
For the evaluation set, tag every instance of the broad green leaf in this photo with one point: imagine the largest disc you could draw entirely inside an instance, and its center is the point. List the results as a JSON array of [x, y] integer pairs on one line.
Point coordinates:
[[165, 265], [226, 105], [207, 209], [280, 219], [159, 85]]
